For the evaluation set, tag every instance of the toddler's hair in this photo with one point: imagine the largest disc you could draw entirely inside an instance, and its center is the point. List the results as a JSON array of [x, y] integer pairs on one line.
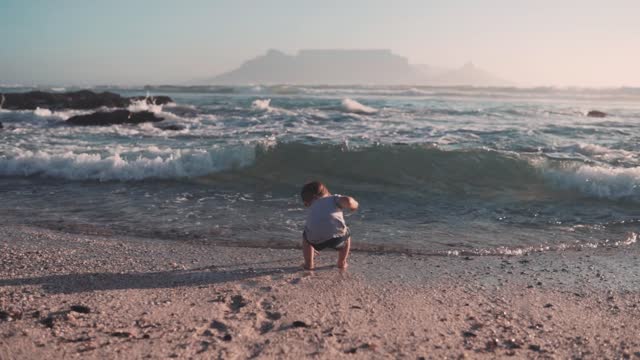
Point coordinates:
[[313, 189]]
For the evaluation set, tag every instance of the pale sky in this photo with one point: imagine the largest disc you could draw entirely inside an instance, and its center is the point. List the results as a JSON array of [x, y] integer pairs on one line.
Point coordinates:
[[543, 42]]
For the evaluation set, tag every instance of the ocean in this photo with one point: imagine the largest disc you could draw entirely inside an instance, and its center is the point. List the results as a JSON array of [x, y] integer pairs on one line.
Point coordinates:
[[446, 171]]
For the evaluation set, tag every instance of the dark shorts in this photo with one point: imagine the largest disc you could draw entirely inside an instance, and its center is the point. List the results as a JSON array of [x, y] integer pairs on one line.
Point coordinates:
[[336, 243]]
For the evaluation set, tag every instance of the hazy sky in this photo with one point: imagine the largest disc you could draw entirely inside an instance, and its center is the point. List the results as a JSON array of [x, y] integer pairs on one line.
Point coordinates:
[[542, 42]]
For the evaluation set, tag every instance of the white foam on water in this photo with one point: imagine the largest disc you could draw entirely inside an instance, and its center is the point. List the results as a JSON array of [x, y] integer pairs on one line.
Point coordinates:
[[117, 166], [173, 105], [265, 106], [169, 117], [143, 105], [592, 149], [629, 239], [594, 152], [58, 115], [602, 152], [352, 106], [44, 112], [600, 181], [261, 104]]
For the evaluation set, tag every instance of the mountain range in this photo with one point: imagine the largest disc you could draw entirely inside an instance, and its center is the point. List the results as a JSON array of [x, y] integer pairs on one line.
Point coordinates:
[[350, 67]]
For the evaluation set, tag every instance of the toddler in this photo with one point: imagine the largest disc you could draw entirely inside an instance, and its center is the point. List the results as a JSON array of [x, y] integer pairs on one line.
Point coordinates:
[[325, 226]]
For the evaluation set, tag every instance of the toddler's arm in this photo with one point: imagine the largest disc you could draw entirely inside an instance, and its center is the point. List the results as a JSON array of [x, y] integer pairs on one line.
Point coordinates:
[[347, 202]]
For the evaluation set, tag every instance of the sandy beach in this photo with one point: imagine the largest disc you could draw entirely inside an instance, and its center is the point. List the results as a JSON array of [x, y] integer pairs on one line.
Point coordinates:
[[168, 170], [68, 295]]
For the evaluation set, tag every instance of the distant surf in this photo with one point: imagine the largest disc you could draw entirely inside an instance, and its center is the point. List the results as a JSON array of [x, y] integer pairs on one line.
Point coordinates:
[[353, 106]]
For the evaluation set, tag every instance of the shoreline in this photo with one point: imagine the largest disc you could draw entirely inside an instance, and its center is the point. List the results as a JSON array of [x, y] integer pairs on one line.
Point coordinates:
[[165, 298], [626, 240]]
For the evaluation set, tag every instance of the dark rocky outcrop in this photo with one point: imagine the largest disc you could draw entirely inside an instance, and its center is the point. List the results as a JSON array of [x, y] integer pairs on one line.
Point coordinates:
[[105, 118], [596, 114], [154, 100], [82, 100], [1, 125]]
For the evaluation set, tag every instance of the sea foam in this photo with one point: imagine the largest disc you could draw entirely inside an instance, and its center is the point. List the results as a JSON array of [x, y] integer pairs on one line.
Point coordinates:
[[57, 115], [352, 106], [261, 104], [117, 166], [144, 105], [597, 181], [264, 105]]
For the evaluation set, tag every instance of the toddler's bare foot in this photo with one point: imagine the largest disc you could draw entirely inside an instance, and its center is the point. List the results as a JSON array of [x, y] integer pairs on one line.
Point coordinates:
[[307, 267], [343, 267]]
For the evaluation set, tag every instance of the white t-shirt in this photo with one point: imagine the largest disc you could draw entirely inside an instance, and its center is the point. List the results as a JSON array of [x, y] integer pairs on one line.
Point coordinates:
[[325, 220]]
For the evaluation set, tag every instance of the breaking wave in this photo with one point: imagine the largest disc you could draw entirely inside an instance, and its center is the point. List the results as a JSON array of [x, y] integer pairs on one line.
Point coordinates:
[[595, 180], [416, 168], [352, 106], [122, 166]]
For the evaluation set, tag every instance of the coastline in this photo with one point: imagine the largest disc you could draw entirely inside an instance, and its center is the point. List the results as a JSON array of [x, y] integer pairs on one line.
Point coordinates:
[[160, 298]]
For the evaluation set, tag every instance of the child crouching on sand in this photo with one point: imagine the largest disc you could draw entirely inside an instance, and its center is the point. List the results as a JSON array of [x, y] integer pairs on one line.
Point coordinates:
[[325, 226]]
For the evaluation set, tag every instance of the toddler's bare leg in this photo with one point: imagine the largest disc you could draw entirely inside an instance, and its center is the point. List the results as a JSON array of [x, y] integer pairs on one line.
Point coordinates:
[[307, 252], [343, 254]]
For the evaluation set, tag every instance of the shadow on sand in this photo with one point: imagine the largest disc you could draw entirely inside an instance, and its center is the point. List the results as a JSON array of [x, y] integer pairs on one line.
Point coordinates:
[[78, 283]]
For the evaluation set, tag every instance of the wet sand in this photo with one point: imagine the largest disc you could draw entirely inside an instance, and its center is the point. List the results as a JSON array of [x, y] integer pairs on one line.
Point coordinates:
[[68, 295]]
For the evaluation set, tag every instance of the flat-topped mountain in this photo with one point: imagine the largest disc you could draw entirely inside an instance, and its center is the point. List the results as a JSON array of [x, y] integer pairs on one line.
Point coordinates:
[[336, 67], [349, 67]]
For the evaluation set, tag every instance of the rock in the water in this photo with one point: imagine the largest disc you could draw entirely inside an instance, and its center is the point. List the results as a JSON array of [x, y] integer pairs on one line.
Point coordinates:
[[1, 125], [171, 127], [105, 118], [83, 99], [153, 100], [596, 114]]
